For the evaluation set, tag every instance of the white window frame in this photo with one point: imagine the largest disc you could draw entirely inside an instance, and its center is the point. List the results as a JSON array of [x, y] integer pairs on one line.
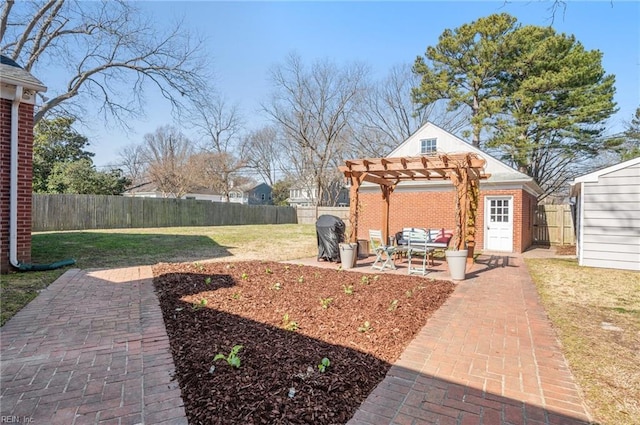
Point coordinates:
[[428, 146]]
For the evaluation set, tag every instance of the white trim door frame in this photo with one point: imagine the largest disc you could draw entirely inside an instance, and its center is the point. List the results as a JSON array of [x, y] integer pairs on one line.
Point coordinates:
[[498, 220]]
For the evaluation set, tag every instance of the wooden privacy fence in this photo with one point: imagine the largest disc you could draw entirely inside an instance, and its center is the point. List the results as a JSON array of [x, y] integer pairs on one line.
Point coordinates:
[[309, 215], [553, 225], [83, 212]]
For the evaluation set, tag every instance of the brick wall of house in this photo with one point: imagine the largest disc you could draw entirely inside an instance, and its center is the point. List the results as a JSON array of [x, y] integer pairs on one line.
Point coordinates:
[[25, 176], [436, 210], [528, 216]]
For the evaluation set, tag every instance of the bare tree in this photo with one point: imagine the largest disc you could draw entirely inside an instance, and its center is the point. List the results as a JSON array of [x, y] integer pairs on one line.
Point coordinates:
[[218, 123], [216, 171], [133, 164], [167, 153], [312, 107], [110, 51], [219, 126], [263, 153], [389, 115]]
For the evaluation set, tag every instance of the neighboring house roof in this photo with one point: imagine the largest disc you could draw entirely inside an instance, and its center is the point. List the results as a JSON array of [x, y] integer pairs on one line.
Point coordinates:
[[13, 74], [260, 185], [249, 187], [142, 187], [501, 173], [595, 176]]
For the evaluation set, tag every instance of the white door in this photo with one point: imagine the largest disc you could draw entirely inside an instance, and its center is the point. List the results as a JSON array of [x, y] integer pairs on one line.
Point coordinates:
[[499, 223]]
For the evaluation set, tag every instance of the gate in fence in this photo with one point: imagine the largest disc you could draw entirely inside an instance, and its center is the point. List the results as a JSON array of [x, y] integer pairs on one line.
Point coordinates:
[[554, 225]]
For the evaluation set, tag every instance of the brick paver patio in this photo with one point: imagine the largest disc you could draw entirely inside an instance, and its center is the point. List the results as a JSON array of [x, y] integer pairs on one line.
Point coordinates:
[[488, 356], [92, 348]]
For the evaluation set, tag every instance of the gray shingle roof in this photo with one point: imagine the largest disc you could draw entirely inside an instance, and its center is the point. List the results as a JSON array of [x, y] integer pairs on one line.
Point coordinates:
[[13, 74]]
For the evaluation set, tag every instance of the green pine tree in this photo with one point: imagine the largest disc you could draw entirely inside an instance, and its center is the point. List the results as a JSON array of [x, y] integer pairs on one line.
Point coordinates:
[[540, 98], [464, 67], [556, 98]]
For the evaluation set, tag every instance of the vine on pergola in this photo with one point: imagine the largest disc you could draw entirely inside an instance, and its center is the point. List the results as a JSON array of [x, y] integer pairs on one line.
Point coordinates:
[[465, 170]]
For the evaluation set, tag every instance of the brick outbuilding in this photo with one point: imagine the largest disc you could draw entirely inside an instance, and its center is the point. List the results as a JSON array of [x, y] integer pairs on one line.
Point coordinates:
[[18, 91], [506, 207]]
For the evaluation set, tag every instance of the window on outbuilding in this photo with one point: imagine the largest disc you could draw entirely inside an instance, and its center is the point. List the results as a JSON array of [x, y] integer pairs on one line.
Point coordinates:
[[428, 146]]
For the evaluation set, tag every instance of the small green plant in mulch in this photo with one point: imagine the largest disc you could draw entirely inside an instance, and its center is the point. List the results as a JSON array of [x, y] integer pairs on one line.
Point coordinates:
[[326, 302], [301, 279], [409, 293], [232, 358], [269, 271], [207, 281], [365, 280], [201, 304], [276, 286], [324, 364], [236, 295], [288, 324], [198, 266], [245, 276], [366, 327], [348, 289]]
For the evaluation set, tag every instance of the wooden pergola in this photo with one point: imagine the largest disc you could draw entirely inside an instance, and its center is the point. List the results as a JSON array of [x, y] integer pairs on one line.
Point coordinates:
[[465, 170]]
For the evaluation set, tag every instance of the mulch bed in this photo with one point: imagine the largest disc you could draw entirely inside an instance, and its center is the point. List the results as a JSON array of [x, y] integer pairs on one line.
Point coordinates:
[[287, 318], [566, 250]]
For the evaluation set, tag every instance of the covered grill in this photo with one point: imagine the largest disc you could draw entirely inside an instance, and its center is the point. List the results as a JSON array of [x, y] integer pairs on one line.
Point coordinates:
[[330, 232]]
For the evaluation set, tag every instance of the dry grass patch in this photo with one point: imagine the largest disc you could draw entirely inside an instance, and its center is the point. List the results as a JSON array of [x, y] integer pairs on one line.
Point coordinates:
[[597, 315]]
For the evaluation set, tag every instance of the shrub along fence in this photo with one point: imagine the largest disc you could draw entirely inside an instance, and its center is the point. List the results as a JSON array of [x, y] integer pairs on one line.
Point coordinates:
[[84, 212]]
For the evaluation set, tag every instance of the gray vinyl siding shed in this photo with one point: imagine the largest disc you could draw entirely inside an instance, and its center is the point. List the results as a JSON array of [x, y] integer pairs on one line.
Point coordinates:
[[608, 217]]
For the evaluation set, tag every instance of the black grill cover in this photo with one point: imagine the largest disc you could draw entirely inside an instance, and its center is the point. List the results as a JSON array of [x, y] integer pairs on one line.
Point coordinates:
[[330, 232]]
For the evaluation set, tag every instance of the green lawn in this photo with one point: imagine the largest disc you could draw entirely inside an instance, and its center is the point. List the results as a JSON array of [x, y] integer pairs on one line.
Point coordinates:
[[129, 247]]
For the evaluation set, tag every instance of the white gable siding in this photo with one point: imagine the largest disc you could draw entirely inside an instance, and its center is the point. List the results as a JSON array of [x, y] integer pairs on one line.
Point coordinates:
[[449, 143], [610, 226]]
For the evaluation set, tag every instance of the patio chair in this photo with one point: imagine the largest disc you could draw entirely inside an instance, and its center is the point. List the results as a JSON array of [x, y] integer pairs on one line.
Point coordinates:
[[417, 247], [384, 253], [402, 242]]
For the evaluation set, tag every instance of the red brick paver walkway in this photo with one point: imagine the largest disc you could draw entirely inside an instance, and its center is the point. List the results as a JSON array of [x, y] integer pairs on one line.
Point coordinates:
[[488, 356], [91, 348]]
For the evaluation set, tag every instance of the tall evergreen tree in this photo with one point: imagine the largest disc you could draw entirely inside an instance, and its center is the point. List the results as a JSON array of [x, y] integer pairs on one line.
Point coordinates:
[[464, 67], [631, 146], [541, 97], [556, 98]]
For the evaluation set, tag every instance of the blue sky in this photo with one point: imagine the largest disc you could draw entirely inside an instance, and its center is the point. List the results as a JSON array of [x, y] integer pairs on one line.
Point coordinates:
[[245, 39]]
